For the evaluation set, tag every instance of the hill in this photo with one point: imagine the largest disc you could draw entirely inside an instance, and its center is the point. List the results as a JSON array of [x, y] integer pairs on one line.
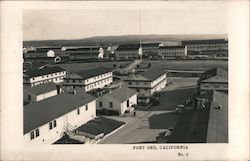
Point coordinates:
[[114, 40]]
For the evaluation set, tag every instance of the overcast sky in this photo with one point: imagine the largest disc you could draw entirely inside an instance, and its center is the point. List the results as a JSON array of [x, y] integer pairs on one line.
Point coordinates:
[[77, 24]]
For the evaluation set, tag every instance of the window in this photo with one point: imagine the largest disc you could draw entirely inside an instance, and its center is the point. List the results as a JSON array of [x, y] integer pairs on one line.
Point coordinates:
[[74, 81], [37, 132], [138, 90], [86, 108], [78, 111], [32, 135], [54, 123], [100, 104], [50, 125], [33, 78], [80, 81], [130, 83], [111, 104], [128, 103], [42, 76], [67, 81], [29, 97]]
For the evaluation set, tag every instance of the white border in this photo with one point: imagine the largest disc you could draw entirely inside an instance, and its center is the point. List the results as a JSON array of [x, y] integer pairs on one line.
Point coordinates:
[[12, 147]]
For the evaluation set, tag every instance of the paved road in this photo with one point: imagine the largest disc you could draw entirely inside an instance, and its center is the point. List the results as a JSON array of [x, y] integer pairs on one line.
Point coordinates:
[[144, 127], [136, 130]]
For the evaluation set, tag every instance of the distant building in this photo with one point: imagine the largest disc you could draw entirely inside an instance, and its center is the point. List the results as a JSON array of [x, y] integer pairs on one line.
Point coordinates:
[[218, 47], [120, 99], [41, 52], [78, 53], [46, 121], [214, 79], [127, 51], [47, 54], [130, 51], [148, 82], [40, 92], [173, 51], [44, 75], [150, 49], [89, 79]]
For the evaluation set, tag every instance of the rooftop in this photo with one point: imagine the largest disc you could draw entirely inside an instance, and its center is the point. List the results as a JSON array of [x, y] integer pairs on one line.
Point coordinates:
[[121, 94], [128, 47], [93, 72], [100, 125], [203, 125], [149, 75], [187, 42], [218, 119], [40, 89], [214, 75], [43, 71], [172, 47], [152, 74], [39, 113]]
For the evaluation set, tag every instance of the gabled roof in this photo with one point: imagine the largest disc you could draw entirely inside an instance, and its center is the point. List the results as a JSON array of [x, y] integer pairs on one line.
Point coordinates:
[[47, 48], [149, 75], [82, 48], [40, 89], [214, 75], [152, 74], [218, 119], [93, 72], [188, 42], [121, 94], [172, 47], [43, 71], [128, 47], [39, 113], [150, 44]]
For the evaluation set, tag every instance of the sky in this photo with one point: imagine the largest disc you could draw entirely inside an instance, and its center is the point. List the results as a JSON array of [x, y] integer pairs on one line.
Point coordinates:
[[77, 24]]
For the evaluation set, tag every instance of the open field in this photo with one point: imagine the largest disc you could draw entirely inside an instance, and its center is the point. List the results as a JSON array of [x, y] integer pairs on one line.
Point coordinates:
[[157, 64], [76, 67], [186, 64]]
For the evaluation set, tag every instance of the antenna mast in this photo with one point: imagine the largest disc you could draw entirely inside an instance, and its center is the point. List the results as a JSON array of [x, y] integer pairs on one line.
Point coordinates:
[[140, 29]]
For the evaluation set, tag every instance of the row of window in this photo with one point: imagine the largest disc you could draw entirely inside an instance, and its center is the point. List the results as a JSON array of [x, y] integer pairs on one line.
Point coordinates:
[[51, 75], [111, 104], [101, 76], [224, 44], [78, 111], [179, 50], [46, 81], [98, 83], [138, 83], [47, 76], [52, 125], [173, 54], [36, 133]]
